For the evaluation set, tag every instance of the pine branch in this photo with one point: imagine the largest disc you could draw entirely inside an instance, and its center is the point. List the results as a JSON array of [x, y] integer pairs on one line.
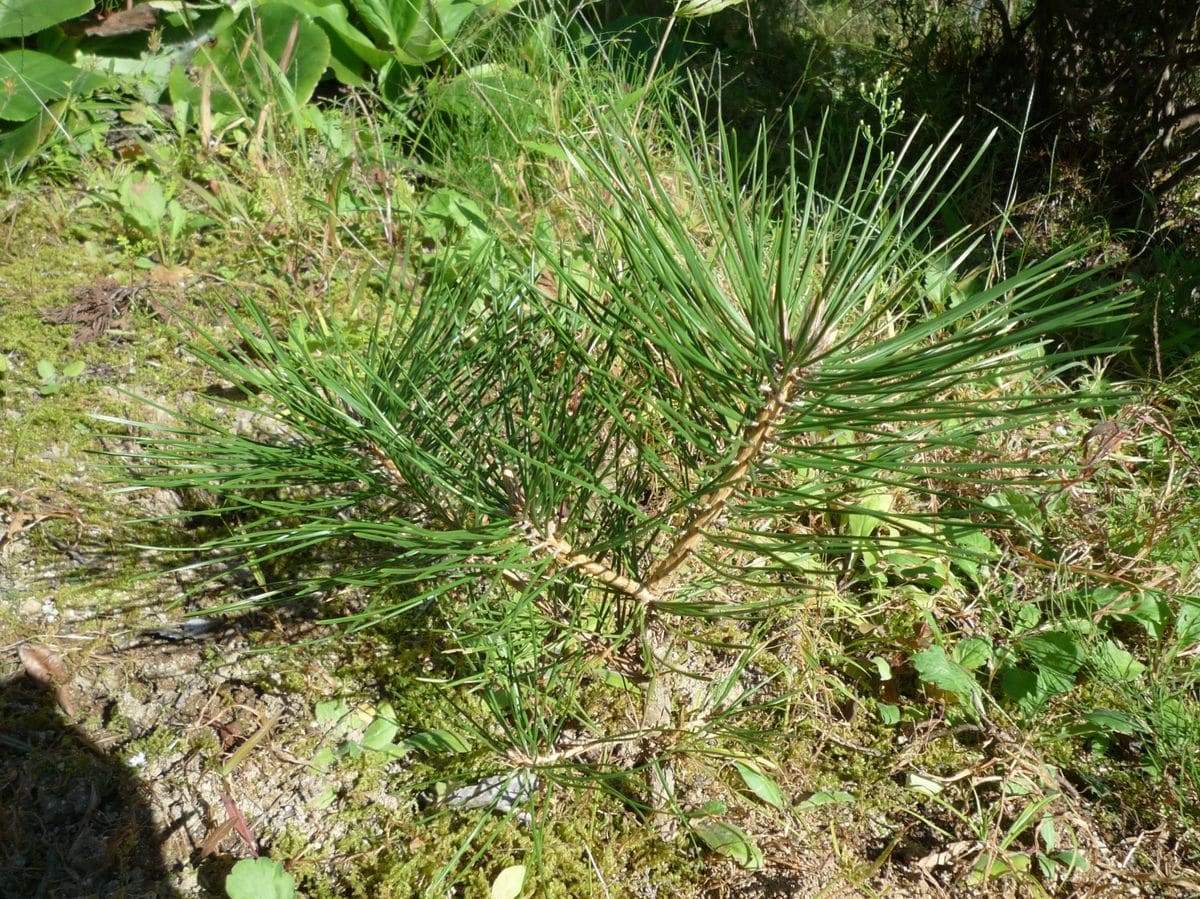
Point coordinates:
[[392, 470], [713, 504], [566, 555]]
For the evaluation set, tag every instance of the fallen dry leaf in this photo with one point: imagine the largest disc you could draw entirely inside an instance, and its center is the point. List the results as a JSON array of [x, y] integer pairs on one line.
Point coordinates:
[[131, 20], [47, 668], [212, 840], [948, 855], [43, 665], [170, 276], [65, 700], [98, 307], [239, 822]]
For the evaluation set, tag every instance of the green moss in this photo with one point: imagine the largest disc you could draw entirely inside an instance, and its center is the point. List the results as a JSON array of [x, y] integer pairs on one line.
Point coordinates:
[[155, 744], [566, 858]]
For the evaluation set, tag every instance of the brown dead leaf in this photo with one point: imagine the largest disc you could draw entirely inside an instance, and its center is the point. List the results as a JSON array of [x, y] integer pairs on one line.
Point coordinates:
[[948, 855], [47, 668], [139, 17], [547, 285], [229, 734], [239, 822], [16, 519], [212, 840], [18, 523], [65, 698], [97, 308], [43, 665], [170, 275]]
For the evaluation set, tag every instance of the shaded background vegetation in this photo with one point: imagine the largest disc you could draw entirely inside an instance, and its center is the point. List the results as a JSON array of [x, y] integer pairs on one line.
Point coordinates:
[[1097, 106]]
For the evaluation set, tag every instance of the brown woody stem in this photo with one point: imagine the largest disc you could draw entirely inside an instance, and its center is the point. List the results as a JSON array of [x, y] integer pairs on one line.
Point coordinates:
[[393, 472], [713, 504], [566, 555]]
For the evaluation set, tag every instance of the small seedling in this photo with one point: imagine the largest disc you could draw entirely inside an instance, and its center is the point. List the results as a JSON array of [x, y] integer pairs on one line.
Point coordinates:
[[353, 732], [54, 379], [259, 878]]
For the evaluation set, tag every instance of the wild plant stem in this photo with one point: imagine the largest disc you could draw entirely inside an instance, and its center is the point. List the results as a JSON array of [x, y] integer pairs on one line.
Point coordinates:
[[662, 45], [566, 555], [713, 504]]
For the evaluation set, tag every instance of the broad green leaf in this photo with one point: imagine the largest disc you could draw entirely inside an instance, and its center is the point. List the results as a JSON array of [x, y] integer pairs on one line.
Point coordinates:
[[73, 369], [1047, 833], [29, 80], [976, 543], [694, 9], [552, 151], [331, 712], [1057, 656], [1022, 687], [710, 809], [1111, 722], [1151, 612], [46, 370], [991, 866], [19, 144], [1117, 664], [1187, 623], [186, 93], [729, 840], [973, 652], [324, 799], [889, 713], [19, 18], [143, 203], [1019, 785], [455, 208], [389, 22], [452, 14], [939, 280], [147, 75], [1028, 616], [1046, 865], [760, 784], [436, 741], [259, 878], [1021, 507], [323, 759], [302, 59], [395, 750], [334, 17], [284, 44], [435, 25], [1073, 859], [508, 883], [935, 668], [824, 797], [382, 730], [872, 505]]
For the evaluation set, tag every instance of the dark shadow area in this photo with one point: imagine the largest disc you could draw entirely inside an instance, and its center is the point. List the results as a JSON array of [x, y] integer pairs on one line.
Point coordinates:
[[1096, 113], [74, 821]]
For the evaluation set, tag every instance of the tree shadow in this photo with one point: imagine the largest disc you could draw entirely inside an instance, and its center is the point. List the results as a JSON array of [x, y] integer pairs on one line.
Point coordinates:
[[75, 821]]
